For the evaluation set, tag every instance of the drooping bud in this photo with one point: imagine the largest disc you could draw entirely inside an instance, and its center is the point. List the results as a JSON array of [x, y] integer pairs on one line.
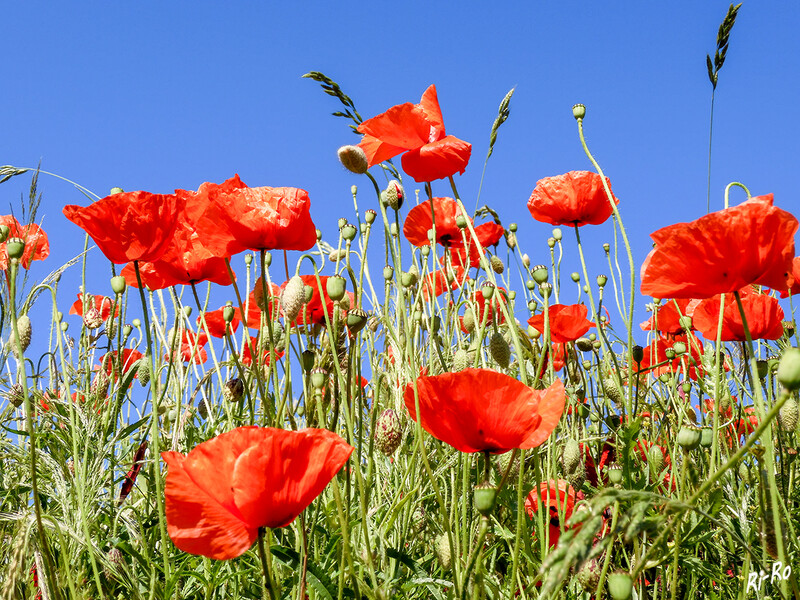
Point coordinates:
[[497, 264], [354, 159], [589, 575], [499, 350], [24, 328], [293, 298], [655, 459], [388, 432], [469, 320], [16, 395], [583, 344], [143, 371], [460, 360]]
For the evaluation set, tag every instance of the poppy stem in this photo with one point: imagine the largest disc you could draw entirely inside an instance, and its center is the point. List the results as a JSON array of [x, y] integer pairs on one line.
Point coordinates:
[[266, 559]]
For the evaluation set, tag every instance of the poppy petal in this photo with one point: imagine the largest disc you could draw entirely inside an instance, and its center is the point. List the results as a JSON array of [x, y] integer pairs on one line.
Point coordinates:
[[438, 159]]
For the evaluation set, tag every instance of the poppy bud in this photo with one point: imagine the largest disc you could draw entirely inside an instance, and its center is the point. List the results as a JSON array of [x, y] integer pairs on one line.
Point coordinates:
[[228, 313], [233, 390], [143, 371], [789, 369], [571, 456], [318, 378], [511, 240], [789, 415], [620, 584], [24, 328], [393, 230], [575, 276], [16, 395], [356, 319], [469, 320], [388, 432], [393, 195], [5, 231], [583, 344], [497, 264], [589, 575], [655, 459], [92, 318], [388, 272], [354, 159], [369, 216], [498, 347], [15, 247], [118, 285], [116, 190], [485, 497], [460, 360], [441, 546], [293, 298], [540, 274], [679, 348]]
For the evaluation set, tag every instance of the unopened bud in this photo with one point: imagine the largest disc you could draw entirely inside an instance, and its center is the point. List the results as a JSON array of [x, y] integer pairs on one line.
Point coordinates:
[[393, 195], [354, 159]]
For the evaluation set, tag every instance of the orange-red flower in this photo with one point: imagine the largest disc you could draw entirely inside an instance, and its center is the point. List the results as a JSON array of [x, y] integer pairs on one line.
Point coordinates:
[[794, 288], [129, 360], [655, 355], [441, 281], [264, 218], [421, 219], [574, 198], [763, 313], [135, 226], [667, 317], [418, 130], [225, 489], [479, 410], [37, 246], [722, 252], [559, 499], [568, 322], [216, 322], [101, 303], [314, 311], [250, 347], [191, 347]]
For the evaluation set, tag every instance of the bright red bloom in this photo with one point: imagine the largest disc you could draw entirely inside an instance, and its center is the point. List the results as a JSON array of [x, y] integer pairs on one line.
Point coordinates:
[[559, 499], [469, 255], [574, 198], [130, 360], [191, 347], [667, 317], [655, 358], [101, 303], [479, 410], [421, 218], [441, 281], [418, 130], [722, 252], [216, 323], [257, 304], [266, 353], [313, 311], [265, 218], [225, 489], [568, 322], [794, 288], [763, 313], [135, 226], [37, 246]]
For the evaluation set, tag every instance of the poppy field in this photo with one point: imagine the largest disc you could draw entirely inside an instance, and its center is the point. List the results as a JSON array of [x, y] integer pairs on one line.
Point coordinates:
[[414, 409]]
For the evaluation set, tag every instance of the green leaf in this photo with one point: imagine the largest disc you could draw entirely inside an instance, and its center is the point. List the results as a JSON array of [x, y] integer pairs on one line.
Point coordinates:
[[316, 577]]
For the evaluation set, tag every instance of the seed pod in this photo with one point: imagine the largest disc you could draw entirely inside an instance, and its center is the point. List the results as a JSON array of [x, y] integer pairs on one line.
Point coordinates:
[[620, 585], [485, 495], [143, 371], [570, 456], [655, 459], [441, 546], [499, 349], [16, 395], [789, 369], [293, 298], [689, 437], [24, 328], [388, 432], [233, 390]]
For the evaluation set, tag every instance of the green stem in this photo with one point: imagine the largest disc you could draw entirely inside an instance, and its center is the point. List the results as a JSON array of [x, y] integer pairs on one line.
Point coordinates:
[[266, 558]]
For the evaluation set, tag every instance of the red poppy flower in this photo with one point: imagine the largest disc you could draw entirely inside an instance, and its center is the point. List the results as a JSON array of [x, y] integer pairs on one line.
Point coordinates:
[[655, 355], [111, 362], [469, 254], [86, 301], [313, 310], [722, 252], [794, 288], [491, 309], [191, 347], [135, 226], [559, 499], [266, 353], [479, 410], [667, 317], [574, 198], [266, 218], [216, 323], [37, 247], [225, 489], [418, 130], [443, 280], [257, 304], [568, 322], [763, 313], [421, 218]]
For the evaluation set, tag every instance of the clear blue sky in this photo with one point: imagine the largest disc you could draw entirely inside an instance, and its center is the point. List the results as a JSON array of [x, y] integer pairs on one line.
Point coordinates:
[[165, 95]]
